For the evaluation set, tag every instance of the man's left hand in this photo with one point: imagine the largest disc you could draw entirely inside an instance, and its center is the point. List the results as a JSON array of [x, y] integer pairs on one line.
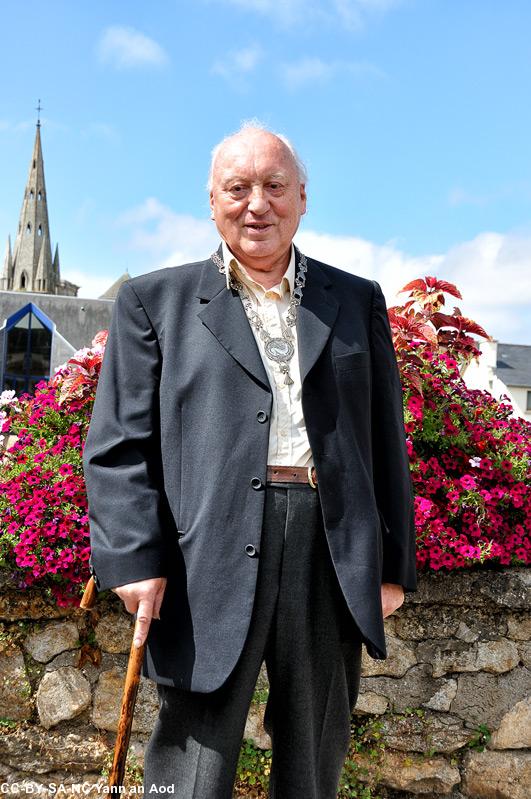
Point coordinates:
[[392, 598]]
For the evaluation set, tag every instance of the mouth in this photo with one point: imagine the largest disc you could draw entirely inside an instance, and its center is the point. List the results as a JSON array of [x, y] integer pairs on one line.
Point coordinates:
[[258, 226]]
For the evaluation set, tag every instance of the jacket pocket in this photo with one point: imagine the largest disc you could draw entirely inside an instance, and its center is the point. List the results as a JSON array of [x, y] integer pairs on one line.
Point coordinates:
[[349, 361]]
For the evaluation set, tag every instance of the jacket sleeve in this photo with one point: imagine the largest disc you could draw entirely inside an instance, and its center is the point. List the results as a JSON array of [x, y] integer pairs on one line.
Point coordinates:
[[121, 456], [391, 473]]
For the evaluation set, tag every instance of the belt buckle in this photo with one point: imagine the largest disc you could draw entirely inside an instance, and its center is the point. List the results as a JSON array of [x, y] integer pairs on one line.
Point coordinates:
[[310, 477]]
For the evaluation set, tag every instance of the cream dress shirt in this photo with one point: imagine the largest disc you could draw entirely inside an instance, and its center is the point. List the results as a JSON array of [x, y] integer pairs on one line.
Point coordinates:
[[288, 440]]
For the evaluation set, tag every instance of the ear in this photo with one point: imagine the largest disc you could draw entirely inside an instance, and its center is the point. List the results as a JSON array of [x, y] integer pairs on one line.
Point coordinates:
[[211, 200], [303, 198]]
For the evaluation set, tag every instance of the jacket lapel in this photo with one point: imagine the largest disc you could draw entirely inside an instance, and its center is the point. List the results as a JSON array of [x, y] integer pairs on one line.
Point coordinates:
[[225, 317], [315, 317]]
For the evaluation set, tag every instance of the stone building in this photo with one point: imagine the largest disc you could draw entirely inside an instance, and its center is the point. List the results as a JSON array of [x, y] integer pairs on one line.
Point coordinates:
[[42, 320]]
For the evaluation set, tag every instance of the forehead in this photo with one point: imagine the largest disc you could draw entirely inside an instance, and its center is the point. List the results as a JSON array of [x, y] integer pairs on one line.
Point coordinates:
[[255, 155]]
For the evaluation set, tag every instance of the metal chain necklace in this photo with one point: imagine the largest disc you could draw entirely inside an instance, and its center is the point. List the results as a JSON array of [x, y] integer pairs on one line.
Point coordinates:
[[277, 348]]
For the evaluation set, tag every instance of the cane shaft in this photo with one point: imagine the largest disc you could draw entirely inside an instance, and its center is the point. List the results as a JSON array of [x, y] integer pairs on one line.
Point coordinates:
[[132, 679], [88, 600]]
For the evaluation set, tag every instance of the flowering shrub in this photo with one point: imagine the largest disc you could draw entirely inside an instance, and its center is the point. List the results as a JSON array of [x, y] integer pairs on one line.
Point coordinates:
[[470, 456], [44, 536]]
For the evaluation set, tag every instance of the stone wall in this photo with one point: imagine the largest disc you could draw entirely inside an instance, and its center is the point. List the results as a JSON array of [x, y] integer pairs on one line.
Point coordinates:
[[448, 714]]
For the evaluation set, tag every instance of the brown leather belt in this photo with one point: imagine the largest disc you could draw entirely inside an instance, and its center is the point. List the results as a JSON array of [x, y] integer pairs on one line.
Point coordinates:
[[292, 474]]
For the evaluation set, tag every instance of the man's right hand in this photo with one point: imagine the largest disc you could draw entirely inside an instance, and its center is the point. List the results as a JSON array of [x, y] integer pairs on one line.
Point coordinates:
[[143, 598]]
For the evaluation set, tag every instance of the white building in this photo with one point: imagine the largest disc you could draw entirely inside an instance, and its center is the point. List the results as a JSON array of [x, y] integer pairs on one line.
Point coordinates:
[[503, 369]]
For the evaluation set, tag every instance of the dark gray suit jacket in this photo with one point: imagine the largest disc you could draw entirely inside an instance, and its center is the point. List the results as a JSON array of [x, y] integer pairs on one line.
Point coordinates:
[[176, 454]]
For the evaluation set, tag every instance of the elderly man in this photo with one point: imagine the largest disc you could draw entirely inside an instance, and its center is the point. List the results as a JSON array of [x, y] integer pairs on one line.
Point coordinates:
[[248, 482]]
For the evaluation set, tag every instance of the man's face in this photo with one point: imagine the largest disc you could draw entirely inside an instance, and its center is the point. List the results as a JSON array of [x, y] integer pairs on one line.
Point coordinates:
[[256, 198]]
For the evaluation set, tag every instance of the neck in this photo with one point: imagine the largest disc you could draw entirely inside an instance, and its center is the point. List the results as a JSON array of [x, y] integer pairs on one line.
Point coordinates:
[[269, 273]]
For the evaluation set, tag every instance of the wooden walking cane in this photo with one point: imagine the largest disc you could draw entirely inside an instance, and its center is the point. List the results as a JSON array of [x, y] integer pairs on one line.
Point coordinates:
[[132, 679]]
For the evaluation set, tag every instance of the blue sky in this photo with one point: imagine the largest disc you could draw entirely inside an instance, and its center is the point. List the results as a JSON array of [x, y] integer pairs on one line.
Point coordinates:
[[413, 117]]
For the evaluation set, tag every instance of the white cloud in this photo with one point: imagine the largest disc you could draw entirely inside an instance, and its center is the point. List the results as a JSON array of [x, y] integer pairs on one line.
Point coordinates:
[[491, 271], [311, 70], [349, 13], [166, 237], [353, 13], [124, 48], [238, 64], [90, 285], [284, 11]]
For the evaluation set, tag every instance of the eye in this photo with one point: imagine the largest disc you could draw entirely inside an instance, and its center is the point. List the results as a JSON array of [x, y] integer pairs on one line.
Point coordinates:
[[237, 190]]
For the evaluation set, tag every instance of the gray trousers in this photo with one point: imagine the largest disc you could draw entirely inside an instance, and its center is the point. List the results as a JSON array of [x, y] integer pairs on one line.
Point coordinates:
[[303, 630]]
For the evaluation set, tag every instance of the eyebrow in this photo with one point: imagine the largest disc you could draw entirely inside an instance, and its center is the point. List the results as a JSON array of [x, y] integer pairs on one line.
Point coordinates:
[[281, 176]]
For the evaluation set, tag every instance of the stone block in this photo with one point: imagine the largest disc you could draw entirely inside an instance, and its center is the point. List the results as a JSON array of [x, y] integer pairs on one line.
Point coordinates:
[[483, 698], [524, 650], [519, 626], [114, 632], [15, 688], [51, 640], [400, 658], [371, 703], [444, 621], [453, 656], [514, 731], [415, 774], [412, 690], [508, 589], [63, 694], [28, 604], [108, 699], [497, 775], [443, 697], [428, 733], [38, 751], [254, 727]]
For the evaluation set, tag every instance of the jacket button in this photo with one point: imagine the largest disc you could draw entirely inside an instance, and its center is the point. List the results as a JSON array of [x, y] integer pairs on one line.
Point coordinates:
[[256, 483], [250, 550], [261, 416]]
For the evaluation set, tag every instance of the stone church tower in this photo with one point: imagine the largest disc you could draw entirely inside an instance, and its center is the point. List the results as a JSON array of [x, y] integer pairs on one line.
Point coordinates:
[[29, 267]]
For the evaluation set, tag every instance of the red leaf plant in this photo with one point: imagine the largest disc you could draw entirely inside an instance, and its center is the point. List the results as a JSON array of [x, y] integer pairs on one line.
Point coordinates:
[[470, 455]]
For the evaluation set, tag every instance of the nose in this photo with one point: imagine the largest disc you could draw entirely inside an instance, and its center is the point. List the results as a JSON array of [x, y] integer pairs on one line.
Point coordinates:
[[258, 202]]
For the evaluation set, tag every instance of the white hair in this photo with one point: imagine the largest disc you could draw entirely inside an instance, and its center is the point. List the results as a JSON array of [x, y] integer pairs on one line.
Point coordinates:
[[255, 124]]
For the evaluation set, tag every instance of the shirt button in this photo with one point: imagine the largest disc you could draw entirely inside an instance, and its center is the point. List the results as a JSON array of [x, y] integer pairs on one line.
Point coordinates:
[[250, 550], [261, 416], [256, 483]]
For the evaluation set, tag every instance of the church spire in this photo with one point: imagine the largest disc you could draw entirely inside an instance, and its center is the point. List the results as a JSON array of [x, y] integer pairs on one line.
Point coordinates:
[[30, 267], [32, 244]]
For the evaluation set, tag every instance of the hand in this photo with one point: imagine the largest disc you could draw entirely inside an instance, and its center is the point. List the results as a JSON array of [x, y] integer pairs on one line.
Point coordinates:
[[392, 598], [143, 598]]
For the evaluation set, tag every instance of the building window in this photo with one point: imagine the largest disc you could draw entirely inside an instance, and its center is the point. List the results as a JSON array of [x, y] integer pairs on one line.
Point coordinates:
[[28, 349], [23, 280], [39, 231], [528, 404], [39, 196], [31, 195], [28, 228]]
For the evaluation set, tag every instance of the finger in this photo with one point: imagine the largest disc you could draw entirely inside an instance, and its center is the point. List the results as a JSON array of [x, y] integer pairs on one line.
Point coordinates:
[[143, 620], [158, 602]]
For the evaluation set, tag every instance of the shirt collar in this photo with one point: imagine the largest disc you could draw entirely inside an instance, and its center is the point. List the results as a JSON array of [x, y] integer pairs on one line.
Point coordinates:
[[239, 271]]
